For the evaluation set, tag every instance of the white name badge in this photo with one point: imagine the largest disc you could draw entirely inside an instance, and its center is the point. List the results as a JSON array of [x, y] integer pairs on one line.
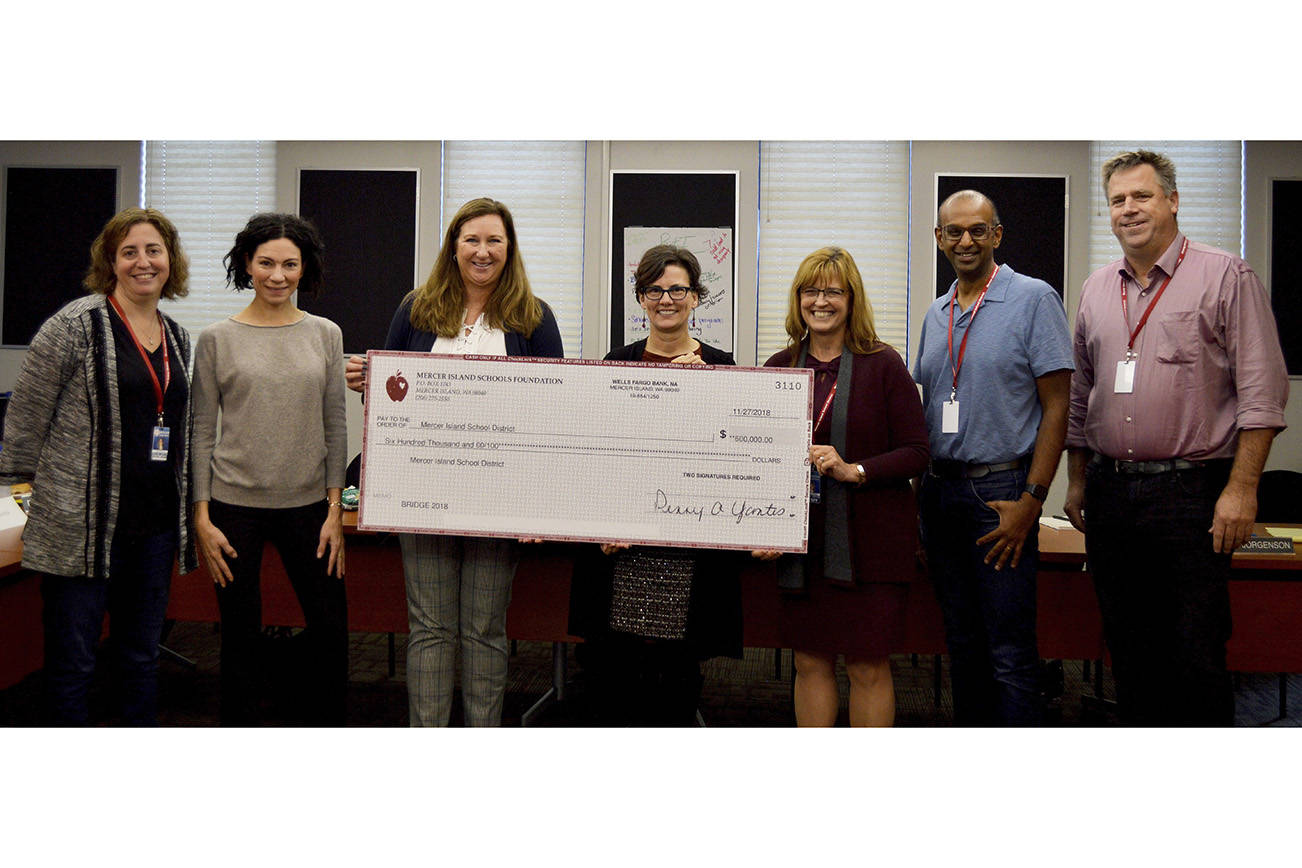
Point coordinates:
[[1125, 383], [949, 417]]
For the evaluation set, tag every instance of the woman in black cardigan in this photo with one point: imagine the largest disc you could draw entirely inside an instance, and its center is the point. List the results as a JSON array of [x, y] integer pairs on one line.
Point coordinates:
[[650, 614]]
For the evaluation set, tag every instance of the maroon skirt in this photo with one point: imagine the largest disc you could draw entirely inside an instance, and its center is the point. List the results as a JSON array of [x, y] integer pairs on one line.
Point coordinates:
[[863, 620]]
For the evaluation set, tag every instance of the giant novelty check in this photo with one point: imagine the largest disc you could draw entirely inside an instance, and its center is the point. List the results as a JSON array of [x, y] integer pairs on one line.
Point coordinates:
[[582, 450]]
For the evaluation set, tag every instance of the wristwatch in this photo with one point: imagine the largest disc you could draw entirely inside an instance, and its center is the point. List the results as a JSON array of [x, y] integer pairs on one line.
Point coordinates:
[[863, 474], [1039, 492]]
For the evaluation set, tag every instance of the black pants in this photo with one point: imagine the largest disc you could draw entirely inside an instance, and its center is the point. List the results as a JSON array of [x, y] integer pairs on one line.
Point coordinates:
[[1163, 593], [632, 681], [295, 533]]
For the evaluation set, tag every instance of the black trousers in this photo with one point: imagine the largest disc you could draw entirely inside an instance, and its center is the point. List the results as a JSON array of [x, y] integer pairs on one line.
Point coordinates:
[[632, 681], [1163, 593], [295, 532]]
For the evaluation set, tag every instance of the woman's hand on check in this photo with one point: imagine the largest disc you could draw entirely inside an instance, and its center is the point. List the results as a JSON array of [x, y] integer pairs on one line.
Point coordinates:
[[830, 463], [766, 554], [611, 548], [355, 373]]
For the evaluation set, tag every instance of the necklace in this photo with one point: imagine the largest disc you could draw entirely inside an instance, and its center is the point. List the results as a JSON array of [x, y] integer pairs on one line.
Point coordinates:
[[681, 345]]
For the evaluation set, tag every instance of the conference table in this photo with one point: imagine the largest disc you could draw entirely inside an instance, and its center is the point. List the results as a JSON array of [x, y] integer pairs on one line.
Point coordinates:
[[1265, 594]]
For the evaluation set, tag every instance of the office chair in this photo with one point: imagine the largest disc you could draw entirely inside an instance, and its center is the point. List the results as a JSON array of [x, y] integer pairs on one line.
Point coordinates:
[[1279, 496], [1279, 499]]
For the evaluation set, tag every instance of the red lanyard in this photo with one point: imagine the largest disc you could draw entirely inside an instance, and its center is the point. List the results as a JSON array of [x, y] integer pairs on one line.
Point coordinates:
[[1125, 311], [826, 405], [159, 390], [962, 347]]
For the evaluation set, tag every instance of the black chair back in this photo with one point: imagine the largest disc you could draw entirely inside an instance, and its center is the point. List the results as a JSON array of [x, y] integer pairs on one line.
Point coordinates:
[[1279, 496]]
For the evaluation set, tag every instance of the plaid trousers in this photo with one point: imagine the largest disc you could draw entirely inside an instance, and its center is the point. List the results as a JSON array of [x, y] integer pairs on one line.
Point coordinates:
[[458, 588]]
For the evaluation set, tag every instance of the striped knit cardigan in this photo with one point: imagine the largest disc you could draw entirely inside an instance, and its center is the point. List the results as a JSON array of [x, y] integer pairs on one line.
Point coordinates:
[[62, 434]]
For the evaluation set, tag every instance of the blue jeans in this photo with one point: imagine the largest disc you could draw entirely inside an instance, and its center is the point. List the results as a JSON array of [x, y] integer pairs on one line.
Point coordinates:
[[1163, 593], [989, 614], [135, 597]]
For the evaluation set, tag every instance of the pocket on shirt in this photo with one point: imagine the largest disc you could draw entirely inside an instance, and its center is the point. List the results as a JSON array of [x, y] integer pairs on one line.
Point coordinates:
[[1179, 336]]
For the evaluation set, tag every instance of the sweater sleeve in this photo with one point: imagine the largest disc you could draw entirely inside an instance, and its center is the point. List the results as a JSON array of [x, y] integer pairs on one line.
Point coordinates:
[[205, 399], [49, 365], [545, 342], [907, 450], [335, 416], [399, 328]]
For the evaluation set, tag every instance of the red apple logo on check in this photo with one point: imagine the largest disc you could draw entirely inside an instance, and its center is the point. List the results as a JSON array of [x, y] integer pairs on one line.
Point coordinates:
[[396, 386]]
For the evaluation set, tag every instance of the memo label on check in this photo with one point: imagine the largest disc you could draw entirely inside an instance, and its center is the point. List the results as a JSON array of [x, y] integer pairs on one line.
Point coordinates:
[[580, 450]]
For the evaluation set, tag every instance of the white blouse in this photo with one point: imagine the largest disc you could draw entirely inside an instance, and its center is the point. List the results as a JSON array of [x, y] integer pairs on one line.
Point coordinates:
[[479, 339]]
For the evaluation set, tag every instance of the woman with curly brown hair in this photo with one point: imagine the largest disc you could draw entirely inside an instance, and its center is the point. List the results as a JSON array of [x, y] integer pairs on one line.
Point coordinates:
[[99, 425]]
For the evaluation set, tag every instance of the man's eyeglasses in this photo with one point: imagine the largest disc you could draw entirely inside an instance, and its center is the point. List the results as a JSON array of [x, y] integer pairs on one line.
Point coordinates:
[[978, 232], [655, 293], [831, 294]]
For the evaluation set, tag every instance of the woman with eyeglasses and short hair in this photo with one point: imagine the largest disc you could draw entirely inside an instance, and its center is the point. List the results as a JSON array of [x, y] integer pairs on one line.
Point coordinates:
[[648, 614], [847, 595]]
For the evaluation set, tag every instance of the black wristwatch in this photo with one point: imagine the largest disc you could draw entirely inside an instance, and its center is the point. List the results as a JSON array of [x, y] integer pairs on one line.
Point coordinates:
[[1039, 492]]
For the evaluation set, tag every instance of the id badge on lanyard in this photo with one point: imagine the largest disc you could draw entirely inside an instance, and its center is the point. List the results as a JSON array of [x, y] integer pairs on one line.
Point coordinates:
[[816, 478], [160, 436], [1125, 381], [949, 409], [949, 416]]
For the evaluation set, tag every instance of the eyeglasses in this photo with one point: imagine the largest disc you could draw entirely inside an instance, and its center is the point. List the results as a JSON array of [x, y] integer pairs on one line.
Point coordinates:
[[978, 232], [831, 294], [655, 293]]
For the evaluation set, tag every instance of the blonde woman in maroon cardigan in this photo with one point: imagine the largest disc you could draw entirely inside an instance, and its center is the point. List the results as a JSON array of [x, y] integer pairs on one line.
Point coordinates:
[[847, 596]]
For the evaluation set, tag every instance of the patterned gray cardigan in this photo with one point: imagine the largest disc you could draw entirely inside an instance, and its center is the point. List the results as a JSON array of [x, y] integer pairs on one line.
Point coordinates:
[[62, 433]]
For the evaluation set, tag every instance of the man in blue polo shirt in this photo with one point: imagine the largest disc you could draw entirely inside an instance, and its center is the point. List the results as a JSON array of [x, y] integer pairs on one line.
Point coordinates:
[[995, 363]]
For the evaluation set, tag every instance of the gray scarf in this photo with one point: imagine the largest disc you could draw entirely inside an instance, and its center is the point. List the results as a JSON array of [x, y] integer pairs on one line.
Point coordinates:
[[836, 526]]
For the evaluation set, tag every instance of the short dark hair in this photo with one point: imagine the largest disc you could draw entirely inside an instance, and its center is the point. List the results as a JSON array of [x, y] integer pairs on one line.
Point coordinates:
[[101, 278], [262, 228], [658, 258]]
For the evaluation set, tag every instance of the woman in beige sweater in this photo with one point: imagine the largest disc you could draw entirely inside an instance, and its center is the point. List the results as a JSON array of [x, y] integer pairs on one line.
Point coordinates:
[[276, 472]]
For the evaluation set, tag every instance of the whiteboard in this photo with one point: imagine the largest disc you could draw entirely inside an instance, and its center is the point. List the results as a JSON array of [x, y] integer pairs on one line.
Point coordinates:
[[714, 251]]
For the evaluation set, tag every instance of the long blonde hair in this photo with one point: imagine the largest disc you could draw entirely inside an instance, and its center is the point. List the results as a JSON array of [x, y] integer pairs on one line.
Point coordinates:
[[822, 266], [438, 305]]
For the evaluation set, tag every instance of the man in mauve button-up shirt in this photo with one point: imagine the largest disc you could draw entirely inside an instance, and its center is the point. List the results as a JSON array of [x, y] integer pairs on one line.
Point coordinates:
[[1178, 392]]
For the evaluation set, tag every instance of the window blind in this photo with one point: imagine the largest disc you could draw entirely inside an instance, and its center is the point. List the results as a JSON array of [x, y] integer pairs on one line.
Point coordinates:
[[853, 195], [1209, 178], [542, 183], [209, 190]]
